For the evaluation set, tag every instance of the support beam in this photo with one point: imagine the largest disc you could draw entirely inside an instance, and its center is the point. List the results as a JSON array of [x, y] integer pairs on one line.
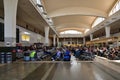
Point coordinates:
[[47, 36], [84, 41], [54, 40], [107, 31], [91, 37], [10, 12], [57, 41]]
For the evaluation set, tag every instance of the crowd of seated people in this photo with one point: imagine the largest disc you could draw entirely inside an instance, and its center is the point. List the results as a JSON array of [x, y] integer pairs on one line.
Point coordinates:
[[64, 53], [110, 53], [83, 53], [58, 54], [32, 53], [80, 53]]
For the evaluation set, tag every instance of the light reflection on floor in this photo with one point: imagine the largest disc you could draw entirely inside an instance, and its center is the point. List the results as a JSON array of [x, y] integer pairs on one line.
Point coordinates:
[[73, 70]]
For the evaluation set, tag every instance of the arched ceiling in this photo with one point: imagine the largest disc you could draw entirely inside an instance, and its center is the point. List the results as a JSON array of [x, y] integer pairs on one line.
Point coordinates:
[[77, 11], [76, 14]]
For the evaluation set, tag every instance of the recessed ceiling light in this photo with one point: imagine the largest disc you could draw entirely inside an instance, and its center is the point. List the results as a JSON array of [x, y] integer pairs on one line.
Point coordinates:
[[26, 33]]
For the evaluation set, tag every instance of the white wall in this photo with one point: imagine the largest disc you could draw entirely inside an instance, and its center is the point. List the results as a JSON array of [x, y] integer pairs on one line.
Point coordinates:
[[34, 37], [116, 35]]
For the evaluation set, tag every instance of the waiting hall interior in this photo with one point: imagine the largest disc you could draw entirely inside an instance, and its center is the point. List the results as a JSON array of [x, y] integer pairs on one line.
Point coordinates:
[[59, 39]]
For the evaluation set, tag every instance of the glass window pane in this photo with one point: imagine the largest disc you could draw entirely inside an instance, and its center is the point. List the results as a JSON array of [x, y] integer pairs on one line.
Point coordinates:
[[71, 32]]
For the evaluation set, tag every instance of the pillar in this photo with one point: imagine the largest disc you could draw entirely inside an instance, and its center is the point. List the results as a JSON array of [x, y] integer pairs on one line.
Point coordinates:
[[64, 41], [54, 40], [77, 40], [91, 37], [84, 41], [10, 12], [47, 36], [107, 31], [71, 41], [57, 41]]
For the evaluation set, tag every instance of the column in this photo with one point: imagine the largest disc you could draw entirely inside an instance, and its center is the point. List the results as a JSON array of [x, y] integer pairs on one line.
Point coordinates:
[[64, 41], [47, 36], [57, 41], [107, 31], [91, 37], [71, 41], [77, 40], [84, 41], [54, 40], [10, 12]]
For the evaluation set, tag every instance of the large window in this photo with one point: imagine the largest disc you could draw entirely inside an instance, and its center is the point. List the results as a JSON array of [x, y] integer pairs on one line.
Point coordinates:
[[40, 3], [115, 8], [97, 21], [71, 32], [86, 30]]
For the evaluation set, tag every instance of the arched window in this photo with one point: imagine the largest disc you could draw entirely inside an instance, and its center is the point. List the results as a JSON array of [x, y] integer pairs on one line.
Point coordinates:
[[71, 32], [86, 30], [40, 3], [97, 21], [115, 8]]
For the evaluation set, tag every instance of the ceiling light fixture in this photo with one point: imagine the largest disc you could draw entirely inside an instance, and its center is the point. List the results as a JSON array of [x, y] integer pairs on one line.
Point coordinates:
[[39, 5], [26, 33], [44, 13]]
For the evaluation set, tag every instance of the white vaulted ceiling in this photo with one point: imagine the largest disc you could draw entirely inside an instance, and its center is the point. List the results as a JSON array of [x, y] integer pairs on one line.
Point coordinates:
[[76, 14]]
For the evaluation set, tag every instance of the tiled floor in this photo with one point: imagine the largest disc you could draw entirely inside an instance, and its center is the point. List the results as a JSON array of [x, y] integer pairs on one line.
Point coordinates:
[[74, 70]]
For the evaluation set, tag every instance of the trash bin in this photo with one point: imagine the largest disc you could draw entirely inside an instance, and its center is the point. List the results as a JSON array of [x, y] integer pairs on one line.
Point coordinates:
[[2, 57], [26, 56], [9, 57]]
